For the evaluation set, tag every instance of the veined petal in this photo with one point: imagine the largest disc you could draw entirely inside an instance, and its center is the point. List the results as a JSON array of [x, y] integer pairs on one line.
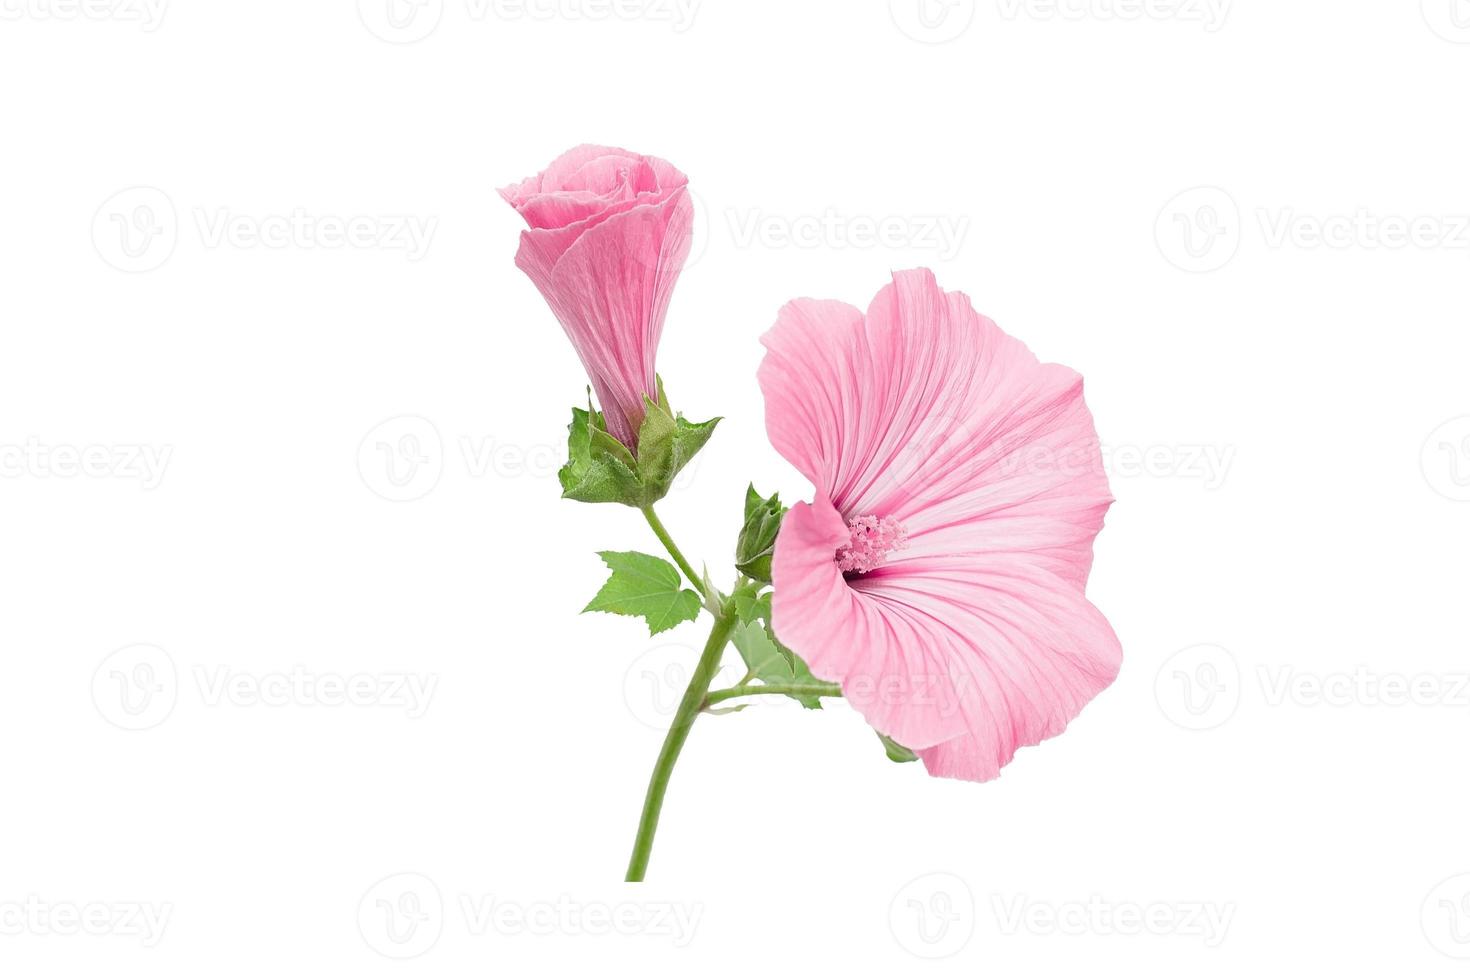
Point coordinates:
[[924, 416], [610, 286]]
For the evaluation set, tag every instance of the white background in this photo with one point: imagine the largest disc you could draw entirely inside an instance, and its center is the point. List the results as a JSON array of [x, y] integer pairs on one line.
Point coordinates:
[[1276, 323]]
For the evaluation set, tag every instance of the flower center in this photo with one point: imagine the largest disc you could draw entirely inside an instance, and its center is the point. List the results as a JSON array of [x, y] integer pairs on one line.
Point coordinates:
[[873, 540]]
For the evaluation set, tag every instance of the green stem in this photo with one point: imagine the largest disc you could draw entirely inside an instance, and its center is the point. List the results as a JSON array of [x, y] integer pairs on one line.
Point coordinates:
[[749, 690], [662, 533], [689, 708]]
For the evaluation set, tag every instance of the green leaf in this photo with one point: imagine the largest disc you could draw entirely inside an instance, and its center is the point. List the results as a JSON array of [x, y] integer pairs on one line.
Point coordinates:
[[757, 542], [642, 585], [772, 663], [896, 752]]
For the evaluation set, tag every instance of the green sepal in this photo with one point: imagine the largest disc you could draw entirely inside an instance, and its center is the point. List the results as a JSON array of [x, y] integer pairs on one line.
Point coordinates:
[[600, 469], [896, 752], [757, 541]]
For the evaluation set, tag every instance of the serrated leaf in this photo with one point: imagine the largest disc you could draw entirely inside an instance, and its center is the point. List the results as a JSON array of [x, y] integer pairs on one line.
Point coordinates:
[[642, 585], [749, 602], [772, 663]]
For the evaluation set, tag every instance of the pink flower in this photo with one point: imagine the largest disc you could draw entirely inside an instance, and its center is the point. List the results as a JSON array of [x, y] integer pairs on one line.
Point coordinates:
[[938, 574], [609, 232]]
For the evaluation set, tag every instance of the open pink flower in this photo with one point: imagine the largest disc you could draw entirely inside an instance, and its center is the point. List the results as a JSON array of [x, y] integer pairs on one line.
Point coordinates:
[[938, 574], [609, 233]]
